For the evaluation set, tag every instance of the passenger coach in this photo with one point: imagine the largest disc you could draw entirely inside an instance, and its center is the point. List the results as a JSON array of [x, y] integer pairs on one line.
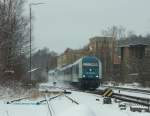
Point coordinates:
[[85, 72]]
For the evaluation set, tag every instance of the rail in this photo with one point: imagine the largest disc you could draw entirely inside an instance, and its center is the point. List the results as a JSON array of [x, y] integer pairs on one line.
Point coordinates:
[[133, 99], [49, 108], [130, 89], [39, 102], [19, 99], [74, 101]]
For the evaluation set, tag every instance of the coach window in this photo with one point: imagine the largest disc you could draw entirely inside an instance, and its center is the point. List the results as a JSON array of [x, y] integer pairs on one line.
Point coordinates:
[[77, 69]]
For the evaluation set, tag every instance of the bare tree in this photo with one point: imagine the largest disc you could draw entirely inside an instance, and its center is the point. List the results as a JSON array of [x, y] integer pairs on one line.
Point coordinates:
[[131, 34], [119, 32], [43, 60], [13, 38]]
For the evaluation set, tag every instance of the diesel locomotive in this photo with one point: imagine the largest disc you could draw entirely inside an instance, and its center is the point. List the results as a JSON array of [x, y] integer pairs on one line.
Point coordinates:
[[86, 72]]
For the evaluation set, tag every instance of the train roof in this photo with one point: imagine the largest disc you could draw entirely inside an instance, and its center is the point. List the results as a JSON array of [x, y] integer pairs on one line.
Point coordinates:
[[76, 62], [90, 58], [51, 71], [68, 66], [87, 58]]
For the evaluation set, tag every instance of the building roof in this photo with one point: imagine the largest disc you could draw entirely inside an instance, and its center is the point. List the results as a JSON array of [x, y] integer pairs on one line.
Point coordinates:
[[133, 41], [98, 38]]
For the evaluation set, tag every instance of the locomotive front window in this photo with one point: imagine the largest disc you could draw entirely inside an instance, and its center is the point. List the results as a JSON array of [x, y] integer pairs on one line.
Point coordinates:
[[90, 70], [90, 64]]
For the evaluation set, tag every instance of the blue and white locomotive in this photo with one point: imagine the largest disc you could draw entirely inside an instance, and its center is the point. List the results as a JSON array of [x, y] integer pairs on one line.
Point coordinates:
[[85, 72]]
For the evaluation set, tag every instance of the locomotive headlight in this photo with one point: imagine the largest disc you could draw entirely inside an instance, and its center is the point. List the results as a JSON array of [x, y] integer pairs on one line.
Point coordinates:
[[97, 76], [83, 75]]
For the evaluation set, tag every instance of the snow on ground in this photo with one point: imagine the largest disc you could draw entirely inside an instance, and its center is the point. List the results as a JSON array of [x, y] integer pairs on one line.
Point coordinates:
[[58, 84], [80, 110], [22, 110], [103, 109], [62, 106]]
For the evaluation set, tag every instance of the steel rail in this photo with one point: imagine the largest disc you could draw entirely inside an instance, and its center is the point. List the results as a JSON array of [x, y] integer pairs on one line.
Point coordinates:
[[133, 99], [48, 106], [39, 102], [19, 99], [130, 89], [74, 101]]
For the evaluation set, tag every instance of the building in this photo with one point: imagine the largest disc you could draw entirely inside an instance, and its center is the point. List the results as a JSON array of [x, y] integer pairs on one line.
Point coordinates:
[[69, 56], [102, 47], [135, 59]]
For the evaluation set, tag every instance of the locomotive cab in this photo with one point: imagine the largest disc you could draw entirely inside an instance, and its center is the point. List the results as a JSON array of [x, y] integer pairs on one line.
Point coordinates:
[[91, 73]]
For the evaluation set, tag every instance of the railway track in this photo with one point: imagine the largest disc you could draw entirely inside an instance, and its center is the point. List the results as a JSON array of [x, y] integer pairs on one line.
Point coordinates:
[[127, 98], [50, 108], [49, 99], [64, 92], [133, 99], [72, 100], [143, 91], [16, 100]]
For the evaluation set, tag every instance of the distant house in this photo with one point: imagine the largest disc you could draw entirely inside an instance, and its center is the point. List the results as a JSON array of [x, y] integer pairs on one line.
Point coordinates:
[[69, 56], [135, 58], [134, 47], [104, 47]]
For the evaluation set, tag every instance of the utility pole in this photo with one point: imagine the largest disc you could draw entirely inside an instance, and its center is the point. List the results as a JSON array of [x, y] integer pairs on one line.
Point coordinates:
[[30, 41], [30, 9], [113, 46]]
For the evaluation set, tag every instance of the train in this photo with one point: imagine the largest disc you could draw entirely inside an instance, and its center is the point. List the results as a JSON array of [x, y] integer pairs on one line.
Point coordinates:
[[85, 73]]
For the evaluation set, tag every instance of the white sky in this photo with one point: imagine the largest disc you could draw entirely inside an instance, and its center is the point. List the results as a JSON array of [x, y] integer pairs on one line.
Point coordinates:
[[70, 23]]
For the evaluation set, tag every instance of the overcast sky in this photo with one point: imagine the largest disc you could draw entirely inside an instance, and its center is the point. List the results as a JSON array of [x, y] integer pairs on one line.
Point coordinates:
[[70, 23]]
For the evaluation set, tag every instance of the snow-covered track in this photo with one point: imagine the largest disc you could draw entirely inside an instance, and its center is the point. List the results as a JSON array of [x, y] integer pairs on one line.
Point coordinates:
[[135, 90], [133, 99], [19, 99], [127, 98], [51, 98], [71, 99], [49, 106]]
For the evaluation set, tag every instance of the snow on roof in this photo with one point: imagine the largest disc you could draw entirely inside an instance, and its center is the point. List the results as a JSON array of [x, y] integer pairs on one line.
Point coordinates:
[[101, 38], [78, 110], [134, 41]]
